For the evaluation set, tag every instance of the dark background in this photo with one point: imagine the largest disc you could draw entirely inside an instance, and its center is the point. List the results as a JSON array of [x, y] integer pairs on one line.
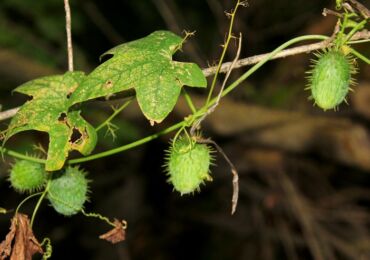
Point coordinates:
[[304, 173]]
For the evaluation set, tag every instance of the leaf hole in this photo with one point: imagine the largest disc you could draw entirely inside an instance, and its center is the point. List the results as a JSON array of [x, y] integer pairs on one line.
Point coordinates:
[[62, 117], [108, 84], [76, 135], [69, 95]]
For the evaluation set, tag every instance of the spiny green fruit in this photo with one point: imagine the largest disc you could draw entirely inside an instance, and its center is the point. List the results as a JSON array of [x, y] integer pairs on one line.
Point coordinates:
[[187, 164], [27, 176], [330, 78], [68, 191]]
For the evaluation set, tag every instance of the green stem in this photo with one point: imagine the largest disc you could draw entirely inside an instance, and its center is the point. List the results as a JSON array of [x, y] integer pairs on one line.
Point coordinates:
[[39, 203], [25, 200], [359, 41], [339, 40], [360, 56], [355, 29], [127, 146], [21, 156], [225, 47], [115, 113], [189, 101], [262, 62]]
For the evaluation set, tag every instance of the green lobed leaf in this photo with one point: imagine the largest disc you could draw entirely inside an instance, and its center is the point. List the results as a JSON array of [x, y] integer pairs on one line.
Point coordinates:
[[48, 112], [144, 65]]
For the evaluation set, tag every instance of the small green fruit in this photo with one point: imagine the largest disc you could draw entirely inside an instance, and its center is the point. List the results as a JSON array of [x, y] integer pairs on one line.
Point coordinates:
[[27, 176], [188, 165], [330, 78], [68, 192]]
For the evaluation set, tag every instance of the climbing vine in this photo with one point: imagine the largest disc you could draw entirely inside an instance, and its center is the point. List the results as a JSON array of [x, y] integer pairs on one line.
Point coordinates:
[[145, 70]]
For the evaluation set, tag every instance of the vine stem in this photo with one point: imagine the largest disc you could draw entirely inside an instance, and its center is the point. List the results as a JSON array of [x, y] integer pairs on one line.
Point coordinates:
[[225, 47], [266, 59], [39, 203], [360, 56], [21, 156], [200, 112], [128, 146], [189, 101], [25, 200], [211, 109], [69, 35]]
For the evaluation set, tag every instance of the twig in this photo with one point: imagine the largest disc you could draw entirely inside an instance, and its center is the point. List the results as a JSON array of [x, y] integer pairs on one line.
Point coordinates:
[[212, 108], [235, 181], [8, 113], [364, 34], [326, 11], [361, 8], [196, 125], [69, 35], [225, 46]]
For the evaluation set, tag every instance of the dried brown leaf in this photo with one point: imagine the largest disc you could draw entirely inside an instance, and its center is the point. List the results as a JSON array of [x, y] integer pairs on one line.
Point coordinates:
[[25, 244], [6, 245], [117, 234]]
